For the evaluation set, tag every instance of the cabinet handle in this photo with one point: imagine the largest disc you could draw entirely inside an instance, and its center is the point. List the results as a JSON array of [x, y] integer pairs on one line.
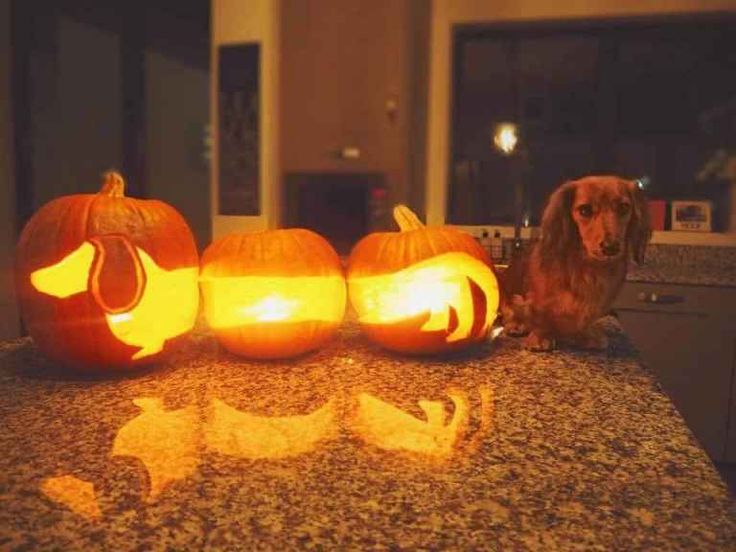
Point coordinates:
[[348, 152], [660, 298]]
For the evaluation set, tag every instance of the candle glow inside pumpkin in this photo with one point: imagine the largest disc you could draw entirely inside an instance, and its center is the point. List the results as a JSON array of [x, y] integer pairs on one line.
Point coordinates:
[[238, 300], [165, 308], [433, 286]]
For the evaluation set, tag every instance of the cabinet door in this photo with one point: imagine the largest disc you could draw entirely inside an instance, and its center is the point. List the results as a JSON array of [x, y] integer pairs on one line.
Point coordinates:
[[686, 337], [341, 62], [731, 442]]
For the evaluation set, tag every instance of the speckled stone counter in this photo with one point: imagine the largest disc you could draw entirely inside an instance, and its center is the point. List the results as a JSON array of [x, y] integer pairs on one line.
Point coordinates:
[[686, 264], [352, 447]]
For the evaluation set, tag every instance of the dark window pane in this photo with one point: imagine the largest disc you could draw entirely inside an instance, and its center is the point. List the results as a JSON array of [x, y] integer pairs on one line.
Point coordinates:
[[634, 99], [548, 86]]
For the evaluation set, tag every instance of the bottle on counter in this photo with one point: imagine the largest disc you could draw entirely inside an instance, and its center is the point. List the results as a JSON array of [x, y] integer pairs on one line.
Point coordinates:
[[497, 246], [485, 242]]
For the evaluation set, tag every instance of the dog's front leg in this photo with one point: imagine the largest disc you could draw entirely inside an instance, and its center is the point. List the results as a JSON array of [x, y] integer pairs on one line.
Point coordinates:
[[516, 316]]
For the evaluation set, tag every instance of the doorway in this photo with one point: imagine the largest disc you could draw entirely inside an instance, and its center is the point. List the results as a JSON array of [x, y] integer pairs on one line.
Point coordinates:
[[122, 84]]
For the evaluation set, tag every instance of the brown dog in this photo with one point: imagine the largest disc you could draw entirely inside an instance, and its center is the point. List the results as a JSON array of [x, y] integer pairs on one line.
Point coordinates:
[[570, 277]]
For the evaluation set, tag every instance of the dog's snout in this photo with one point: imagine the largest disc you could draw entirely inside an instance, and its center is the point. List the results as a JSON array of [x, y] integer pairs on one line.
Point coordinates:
[[610, 248]]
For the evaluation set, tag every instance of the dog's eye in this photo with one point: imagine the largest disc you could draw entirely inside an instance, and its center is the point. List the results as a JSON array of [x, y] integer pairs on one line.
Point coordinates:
[[585, 210], [623, 208]]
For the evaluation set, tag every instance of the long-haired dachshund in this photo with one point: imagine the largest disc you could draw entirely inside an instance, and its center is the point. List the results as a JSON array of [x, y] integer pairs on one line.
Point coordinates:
[[570, 277]]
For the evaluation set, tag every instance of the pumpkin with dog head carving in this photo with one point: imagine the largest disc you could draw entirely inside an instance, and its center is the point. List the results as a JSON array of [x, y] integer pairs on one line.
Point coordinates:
[[422, 290], [106, 281]]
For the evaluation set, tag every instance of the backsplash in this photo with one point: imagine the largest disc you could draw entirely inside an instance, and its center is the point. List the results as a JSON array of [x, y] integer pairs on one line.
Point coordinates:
[[687, 264], [719, 257]]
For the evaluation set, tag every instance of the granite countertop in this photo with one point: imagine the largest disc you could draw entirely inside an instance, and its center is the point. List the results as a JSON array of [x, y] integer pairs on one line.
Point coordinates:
[[686, 265], [563, 450]]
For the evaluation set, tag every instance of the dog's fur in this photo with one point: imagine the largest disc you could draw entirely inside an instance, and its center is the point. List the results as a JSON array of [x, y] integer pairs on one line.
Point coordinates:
[[570, 277]]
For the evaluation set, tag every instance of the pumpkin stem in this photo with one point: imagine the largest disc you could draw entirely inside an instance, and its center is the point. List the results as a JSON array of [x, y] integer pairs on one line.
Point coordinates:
[[113, 184], [406, 219]]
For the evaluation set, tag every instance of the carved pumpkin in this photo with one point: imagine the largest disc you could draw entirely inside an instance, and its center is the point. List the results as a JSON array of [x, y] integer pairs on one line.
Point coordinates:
[[106, 281], [272, 294], [422, 290]]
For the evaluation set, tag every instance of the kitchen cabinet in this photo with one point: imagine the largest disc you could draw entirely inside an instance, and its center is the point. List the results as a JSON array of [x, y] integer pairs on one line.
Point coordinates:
[[686, 335]]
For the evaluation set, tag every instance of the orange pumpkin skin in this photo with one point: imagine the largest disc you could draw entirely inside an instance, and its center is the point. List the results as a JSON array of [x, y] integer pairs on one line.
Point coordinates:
[[388, 253], [294, 271], [125, 235]]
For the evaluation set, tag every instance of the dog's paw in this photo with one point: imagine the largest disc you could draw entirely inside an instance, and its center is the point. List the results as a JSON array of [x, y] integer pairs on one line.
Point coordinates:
[[537, 343], [515, 329]]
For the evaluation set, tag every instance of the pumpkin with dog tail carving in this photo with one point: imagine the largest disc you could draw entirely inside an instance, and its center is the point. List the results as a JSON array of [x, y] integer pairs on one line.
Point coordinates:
[[106, 281], [422, 290]]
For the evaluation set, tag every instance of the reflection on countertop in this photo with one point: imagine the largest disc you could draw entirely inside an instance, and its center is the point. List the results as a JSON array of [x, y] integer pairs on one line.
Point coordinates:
[[355, 447]]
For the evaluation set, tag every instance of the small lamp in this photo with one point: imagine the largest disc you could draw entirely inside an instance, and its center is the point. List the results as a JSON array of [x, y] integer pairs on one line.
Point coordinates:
[[505, 138], [506, 141]]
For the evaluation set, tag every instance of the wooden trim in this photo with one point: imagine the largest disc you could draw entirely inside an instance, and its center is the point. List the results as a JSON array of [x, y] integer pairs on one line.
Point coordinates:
[[133, 82], [538, 28], [21, 12]]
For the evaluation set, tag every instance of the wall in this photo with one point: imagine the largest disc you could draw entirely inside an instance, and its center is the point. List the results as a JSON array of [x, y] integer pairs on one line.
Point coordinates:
[[76, 133], [338, 82], [177, 110], [235, 21], [9, 327], [446, 13]]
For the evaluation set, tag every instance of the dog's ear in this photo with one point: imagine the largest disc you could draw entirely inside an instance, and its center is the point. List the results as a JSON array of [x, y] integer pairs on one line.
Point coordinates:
[[559, 232], [639, 231]]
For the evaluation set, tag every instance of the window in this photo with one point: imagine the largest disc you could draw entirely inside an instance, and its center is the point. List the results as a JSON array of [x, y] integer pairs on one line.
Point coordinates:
[[654, 98]]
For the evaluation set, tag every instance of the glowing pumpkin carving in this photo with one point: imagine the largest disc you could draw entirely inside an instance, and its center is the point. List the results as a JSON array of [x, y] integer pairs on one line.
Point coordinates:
[[107, 281], [272, 294], [422, 290]]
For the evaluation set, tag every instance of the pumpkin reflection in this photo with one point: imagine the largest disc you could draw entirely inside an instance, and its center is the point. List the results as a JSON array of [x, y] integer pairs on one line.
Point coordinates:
[[166, 442], [163, 306], [243, 435], [76, 494], [170, 443], [388, 427]]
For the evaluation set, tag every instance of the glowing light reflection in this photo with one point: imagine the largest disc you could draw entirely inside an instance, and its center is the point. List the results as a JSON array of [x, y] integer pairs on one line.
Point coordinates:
[[388, 427], [165, 441], [244, 435], [170, 443], [76, 494]]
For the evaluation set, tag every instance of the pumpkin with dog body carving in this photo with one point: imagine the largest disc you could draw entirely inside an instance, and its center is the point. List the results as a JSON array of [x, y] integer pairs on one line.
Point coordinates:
[[422, 290], [106, 281], [274, 293]]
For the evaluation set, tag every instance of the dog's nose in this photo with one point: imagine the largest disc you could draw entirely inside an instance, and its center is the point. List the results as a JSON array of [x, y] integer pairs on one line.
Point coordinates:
[[610, 248]]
